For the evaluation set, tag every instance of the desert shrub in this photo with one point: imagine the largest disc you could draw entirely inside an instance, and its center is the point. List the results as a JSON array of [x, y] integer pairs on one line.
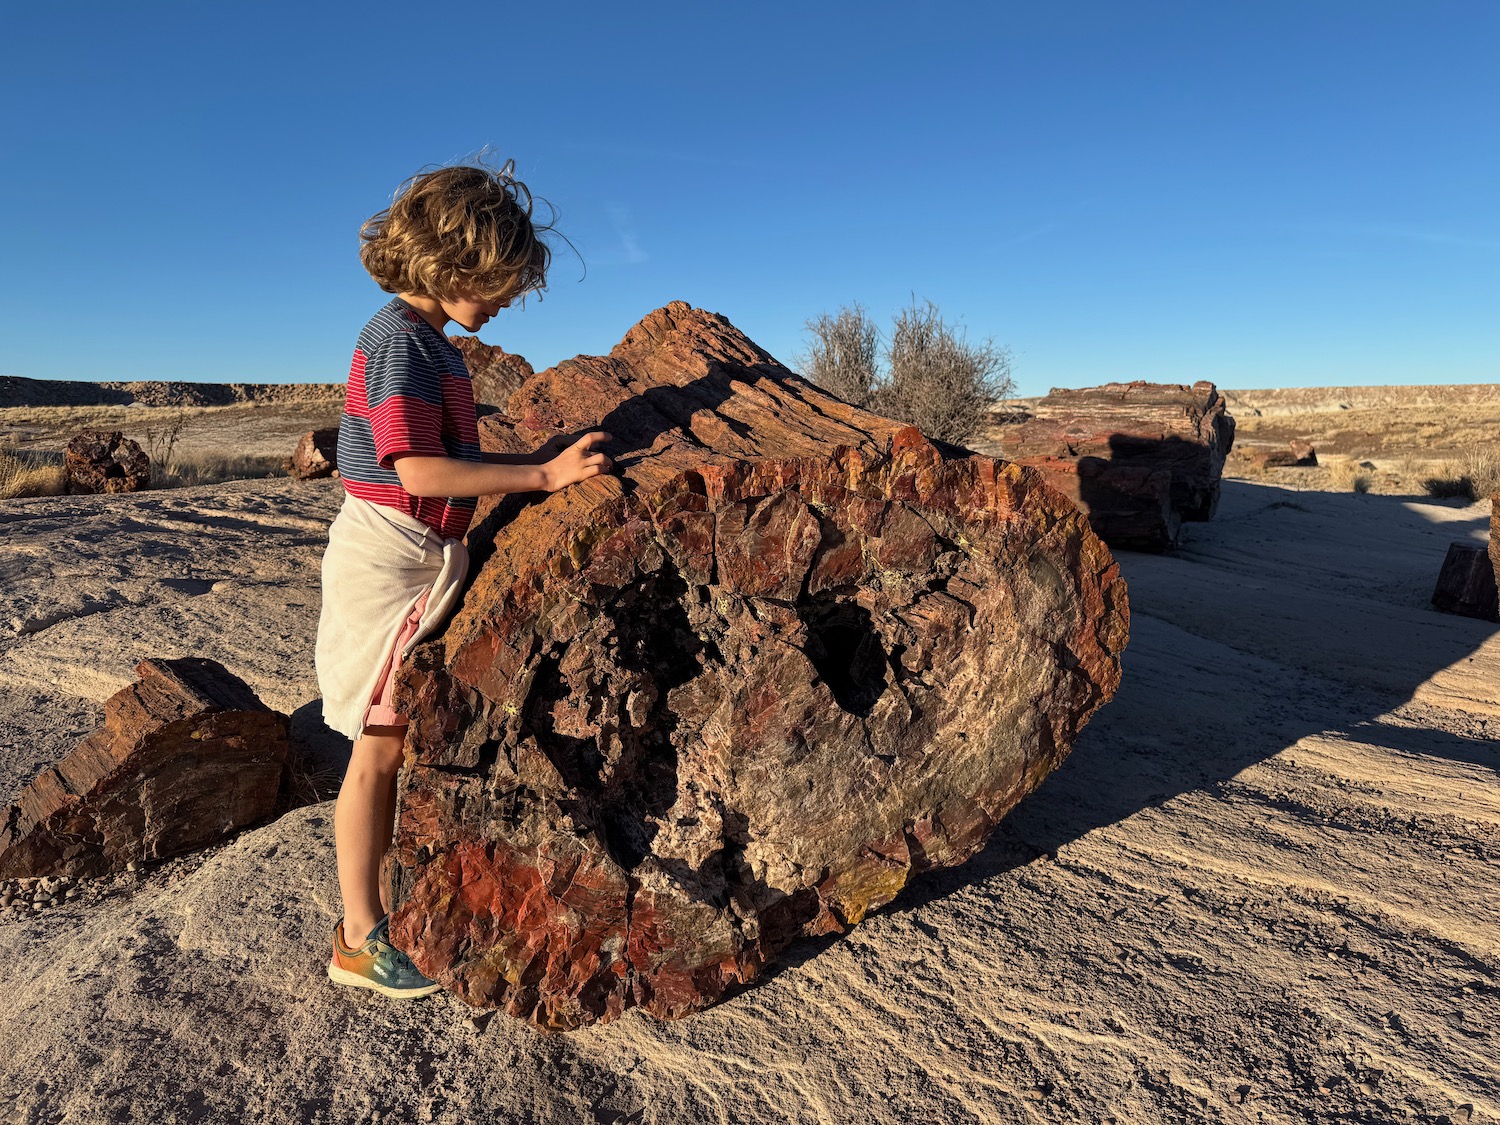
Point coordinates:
[[1349, 475], [1475, 474], [160, 443], [1449, 488], [29, 474], [932, 376], [844, 354]]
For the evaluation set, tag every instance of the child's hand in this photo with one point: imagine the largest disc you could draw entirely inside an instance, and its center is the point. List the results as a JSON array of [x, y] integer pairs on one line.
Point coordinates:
[[577, 462]]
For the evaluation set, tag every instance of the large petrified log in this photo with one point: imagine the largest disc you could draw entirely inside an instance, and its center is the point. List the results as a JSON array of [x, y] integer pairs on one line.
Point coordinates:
[[105, 461], [1143, 427], [790, 654], [186, 755]]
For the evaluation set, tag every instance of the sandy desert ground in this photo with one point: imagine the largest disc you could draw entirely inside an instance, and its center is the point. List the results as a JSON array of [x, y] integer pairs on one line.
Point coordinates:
[[1263, 888]]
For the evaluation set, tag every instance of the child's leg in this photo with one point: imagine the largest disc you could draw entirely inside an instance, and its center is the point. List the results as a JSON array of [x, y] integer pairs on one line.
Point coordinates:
[[363, 823]]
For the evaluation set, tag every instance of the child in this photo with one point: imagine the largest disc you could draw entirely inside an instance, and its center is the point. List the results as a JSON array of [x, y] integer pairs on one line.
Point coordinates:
[[458, 244]]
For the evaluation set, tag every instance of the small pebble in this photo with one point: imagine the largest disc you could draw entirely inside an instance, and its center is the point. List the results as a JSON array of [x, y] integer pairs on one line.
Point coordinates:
[[73, 892], [7, 899], [132, 866]]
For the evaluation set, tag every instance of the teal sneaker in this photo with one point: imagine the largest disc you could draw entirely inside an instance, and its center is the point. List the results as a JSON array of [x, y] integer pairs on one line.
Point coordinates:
[[377, 964]]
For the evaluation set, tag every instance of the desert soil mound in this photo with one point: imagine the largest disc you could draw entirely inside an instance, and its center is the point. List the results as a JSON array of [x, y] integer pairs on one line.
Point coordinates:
[[1263, 888]]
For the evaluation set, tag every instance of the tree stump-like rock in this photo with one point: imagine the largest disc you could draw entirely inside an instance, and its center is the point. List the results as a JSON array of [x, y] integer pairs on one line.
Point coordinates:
[[1467, 583], [788, 655], [316, 455], [1182, 430], [186, 755], [105, 461]]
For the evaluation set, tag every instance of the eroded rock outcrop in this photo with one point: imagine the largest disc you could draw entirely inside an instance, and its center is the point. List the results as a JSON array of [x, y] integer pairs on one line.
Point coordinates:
[[1118, 435], [789, 655], [186, 755], [105, 461]]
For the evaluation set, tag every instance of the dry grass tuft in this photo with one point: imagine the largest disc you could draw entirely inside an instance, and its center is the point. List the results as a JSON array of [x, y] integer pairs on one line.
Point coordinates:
[[213, 468], [27, 474], [303, 784]]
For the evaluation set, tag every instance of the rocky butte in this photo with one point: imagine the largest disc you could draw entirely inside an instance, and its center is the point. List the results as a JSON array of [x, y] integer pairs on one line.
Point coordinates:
[[787, 656]]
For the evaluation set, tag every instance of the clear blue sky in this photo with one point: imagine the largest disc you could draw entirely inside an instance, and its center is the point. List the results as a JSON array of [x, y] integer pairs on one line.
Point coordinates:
[[1268, 193]]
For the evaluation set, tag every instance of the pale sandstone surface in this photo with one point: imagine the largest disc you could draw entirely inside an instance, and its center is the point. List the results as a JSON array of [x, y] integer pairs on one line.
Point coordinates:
[[1262, 888]]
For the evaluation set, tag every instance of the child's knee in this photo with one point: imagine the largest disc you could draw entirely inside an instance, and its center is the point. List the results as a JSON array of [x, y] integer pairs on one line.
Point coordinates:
[[382, 749]]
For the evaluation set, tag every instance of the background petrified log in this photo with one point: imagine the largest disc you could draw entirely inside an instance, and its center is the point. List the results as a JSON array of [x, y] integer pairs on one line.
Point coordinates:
[[719, 699], [316, 454], [1467, 583], [494, 372], [1184, 430], [186, 755], [105, 461]]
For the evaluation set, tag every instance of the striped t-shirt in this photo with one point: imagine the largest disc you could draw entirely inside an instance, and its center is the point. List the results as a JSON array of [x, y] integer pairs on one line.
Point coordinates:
[[409, 392]]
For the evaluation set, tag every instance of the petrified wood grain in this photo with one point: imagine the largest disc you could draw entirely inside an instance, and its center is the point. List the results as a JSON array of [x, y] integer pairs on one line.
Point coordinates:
[[105, 461], [1185, 430], [186, 755], [789, 655]]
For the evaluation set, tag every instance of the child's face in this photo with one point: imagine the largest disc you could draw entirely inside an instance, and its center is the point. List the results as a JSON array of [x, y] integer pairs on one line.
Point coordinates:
[[471, 312]]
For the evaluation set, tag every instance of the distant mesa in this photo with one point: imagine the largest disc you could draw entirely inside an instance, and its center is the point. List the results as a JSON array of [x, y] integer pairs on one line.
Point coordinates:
[[16, 390]]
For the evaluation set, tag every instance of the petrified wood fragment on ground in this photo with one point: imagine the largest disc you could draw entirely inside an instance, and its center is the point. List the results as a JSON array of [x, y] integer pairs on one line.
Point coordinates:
[[186, 755], [1184, 431], [787, 656], [105, 461], [316, 454]]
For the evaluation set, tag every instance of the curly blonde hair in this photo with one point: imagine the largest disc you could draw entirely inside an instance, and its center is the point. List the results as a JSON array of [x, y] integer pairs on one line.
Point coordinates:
[[460, 231]]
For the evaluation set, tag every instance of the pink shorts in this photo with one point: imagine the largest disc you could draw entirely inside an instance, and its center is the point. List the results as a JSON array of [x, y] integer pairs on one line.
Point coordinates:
[[381, 712]]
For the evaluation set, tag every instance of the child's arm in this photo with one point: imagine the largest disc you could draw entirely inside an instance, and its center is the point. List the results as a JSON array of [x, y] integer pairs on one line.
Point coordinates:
[[448, 476]]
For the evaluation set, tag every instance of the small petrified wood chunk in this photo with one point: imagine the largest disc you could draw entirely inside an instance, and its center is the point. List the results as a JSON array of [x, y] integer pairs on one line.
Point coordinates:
[[1184, 430], [1303, 452], [316, 454], [1467, 583], [494, 372], [186, 755], [787, 656], [105, 461]]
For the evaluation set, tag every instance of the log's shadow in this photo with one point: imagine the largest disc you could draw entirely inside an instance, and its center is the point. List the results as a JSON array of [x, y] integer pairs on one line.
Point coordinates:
[[1279, 682]]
